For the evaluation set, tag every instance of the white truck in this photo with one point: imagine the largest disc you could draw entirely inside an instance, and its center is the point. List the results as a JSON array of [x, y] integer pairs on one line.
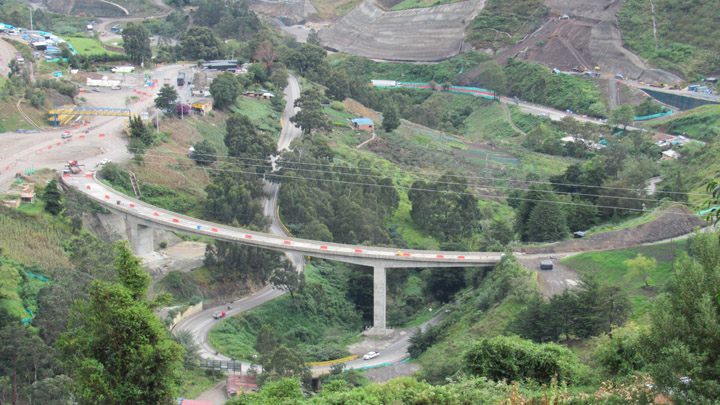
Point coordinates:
[[123, 69]]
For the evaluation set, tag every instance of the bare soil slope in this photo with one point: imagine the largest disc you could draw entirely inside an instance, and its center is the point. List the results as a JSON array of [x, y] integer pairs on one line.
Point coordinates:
[[424, 34], [673, 222]]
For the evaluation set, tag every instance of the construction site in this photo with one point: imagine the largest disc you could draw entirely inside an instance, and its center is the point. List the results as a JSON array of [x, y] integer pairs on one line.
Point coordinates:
[[575, 36]]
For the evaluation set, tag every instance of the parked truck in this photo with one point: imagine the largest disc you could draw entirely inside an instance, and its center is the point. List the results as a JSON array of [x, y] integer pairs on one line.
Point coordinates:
[[123, 69], [181, 79]]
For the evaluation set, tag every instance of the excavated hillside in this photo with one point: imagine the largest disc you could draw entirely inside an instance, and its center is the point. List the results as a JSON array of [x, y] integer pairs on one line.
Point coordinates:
[[422, 34], [589, 37]]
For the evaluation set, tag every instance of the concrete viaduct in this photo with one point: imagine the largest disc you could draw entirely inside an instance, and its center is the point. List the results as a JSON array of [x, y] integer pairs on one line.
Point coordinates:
[[141, 217]]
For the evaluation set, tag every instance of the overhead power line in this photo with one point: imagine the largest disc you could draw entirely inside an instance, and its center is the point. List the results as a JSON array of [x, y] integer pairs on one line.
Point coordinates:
[[645, 199], [569, 203], [231, 160]]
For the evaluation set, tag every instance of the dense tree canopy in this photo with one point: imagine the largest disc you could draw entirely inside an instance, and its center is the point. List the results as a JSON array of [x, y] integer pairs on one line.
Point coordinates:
[[684, 338], [351, 204], [310, 117], [136, 42], [225, 89], [391, 118], [199, 43], [233, 195], [446, 207], [515, 359], [205, 153], [52, 197], [116, 349], [244, 140]]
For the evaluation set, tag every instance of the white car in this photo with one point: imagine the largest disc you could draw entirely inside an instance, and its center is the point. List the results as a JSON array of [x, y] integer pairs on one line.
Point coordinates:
[[370, 355]]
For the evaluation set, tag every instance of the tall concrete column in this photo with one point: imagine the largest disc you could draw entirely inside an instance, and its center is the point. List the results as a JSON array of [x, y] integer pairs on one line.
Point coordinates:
[[141, 237], [379, 307]]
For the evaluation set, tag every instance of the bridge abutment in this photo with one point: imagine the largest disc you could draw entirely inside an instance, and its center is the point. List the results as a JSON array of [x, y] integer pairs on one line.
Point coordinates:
[[141, 237]]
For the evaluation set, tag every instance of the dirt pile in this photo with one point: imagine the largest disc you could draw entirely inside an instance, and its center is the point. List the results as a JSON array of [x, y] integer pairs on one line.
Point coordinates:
[[672, 222], [422, 34]]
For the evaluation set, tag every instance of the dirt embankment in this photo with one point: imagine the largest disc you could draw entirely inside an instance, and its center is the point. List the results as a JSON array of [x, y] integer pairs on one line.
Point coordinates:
[[671, 223]]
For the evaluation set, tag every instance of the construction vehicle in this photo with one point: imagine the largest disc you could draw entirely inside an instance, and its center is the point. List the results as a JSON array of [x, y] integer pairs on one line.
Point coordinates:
[[74, 167]]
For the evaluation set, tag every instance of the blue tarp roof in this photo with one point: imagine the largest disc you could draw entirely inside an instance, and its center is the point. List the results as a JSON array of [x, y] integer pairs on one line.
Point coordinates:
[[362, 121]]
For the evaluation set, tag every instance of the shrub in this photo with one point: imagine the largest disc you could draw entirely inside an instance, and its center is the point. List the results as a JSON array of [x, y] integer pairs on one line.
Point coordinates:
[[516, 359]]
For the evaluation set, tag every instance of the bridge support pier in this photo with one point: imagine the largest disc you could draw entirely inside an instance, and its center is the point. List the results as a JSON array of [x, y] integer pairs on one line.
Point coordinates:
[[379, 301], [141, 237]]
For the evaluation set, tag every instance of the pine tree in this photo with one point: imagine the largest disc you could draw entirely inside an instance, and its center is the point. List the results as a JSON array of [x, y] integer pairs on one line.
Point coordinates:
[[52, 197], [391, 120], [546, 222]]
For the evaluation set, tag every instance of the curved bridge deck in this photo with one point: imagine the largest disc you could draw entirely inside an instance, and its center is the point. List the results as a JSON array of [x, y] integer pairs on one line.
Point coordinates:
[[148, 215]]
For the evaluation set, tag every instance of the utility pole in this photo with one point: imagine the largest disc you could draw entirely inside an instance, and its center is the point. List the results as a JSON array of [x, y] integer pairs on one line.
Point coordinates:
[[31, 24]]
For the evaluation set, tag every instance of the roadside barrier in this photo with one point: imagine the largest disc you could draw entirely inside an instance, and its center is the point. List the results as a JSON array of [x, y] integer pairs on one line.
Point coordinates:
[[329, 362]]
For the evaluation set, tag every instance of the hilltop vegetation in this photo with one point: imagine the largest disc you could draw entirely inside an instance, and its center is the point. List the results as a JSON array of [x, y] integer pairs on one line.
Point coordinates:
[[502, 23]]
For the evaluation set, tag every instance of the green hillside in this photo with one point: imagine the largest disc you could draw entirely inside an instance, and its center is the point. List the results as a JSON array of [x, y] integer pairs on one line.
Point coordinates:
[[683, 38]]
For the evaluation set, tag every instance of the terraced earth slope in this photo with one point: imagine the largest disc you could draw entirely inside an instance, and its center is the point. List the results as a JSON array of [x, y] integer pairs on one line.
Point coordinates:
[[424, 34]]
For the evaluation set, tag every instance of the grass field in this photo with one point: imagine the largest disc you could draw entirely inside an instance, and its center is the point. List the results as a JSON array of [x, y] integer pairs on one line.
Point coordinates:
[[88, 46], [611, 266], [260, 113], [489, 124]]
